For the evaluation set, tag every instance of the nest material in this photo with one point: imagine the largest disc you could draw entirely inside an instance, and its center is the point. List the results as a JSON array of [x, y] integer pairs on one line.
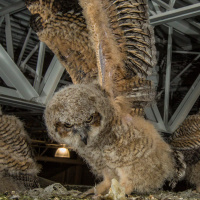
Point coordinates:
[[58, 192]]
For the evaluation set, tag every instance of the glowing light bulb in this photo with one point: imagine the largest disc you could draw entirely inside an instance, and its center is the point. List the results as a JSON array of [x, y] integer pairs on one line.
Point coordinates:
[[62, 153]]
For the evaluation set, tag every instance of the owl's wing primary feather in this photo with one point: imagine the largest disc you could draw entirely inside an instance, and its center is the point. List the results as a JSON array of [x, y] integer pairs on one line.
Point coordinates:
[[61, 25], [187, 136], [124, 44]]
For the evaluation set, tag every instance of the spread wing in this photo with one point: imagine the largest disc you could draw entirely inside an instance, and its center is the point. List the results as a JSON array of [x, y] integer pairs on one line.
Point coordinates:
[[124, 45], [61, 25], [187, 136], [108, 40]]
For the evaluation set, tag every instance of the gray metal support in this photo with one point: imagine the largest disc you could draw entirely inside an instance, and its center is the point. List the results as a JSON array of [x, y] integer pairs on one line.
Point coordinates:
[[168, 74], [15, 7], [9, 43], [163, 4], [39, 67], [47, 74], [10, 70], [153, 114], [185, 106], [10, 92], [156, 7], [23, 63], [171, 3], [24, 46], [51, 83], [187, 52], [186, 68], [1, 20], [21, 104], [176, 14]]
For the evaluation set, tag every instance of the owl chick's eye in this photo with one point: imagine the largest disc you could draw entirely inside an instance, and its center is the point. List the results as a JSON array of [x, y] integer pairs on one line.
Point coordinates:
[[90, 119], [67, 125]]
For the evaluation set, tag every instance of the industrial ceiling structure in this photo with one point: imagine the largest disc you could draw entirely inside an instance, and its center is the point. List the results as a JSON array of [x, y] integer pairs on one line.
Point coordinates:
[[30, 73]]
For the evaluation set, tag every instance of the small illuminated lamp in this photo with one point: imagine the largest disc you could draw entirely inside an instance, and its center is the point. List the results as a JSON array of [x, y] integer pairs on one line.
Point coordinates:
[[62, 152]]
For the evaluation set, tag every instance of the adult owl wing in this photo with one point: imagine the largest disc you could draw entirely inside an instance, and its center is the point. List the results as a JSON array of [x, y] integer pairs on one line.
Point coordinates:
[[108, 40], [187, 136], [61, 25]]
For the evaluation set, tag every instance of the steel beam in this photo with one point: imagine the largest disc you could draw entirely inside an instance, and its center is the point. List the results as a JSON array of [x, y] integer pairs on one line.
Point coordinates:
[[171, 3], [9, 42], [153, 114], [47, 74], [24, 46], [15, 7], [15, 102], [1, 20], [187, 26], [163, 4], [156, 7], [185, 69], [39, 67], [168, 74], [23, 63], [185, 106], [11, 71], [51, 83], [187, 52], [10, 92], [176, 14]]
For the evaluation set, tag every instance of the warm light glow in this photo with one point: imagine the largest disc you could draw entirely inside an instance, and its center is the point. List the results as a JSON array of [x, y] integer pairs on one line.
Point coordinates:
[[62, 152]]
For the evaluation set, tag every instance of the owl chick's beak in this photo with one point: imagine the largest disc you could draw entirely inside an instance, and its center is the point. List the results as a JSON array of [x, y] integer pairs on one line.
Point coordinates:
[[84, 137], [83, 134]]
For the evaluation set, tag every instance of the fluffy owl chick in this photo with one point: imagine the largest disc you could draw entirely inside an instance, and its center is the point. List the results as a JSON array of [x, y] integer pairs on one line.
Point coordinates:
[[115, 144], [186, 139]]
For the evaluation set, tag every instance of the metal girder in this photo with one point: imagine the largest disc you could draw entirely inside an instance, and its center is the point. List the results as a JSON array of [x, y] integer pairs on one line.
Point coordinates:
[[185, 106], [9, 43], [186, 68], [187, 27], [15, 7], [10, 70], [23, 63], [51, 82], [163, 4], [171, 3], [15, 102], [47, 74], [1, 20], [153, 114], [156, 7], [39, 67], [24, 46], [187, 52], [176, 14], [10, 92], [168, 75]]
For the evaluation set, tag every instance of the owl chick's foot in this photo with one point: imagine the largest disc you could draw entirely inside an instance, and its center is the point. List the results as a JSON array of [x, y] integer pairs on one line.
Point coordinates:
[[85, 194], [198, 188]]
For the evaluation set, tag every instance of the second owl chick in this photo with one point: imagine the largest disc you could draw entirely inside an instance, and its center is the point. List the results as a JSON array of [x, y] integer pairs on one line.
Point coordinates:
[[18, 169], [186, 139], [115, 144]]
